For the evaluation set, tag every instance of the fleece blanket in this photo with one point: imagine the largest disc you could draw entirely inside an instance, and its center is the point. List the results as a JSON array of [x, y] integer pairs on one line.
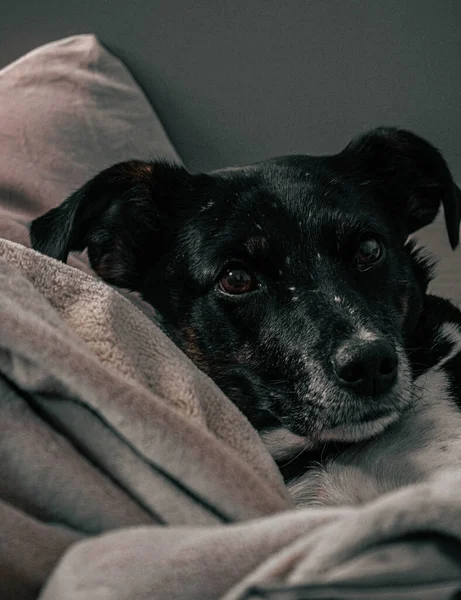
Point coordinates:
[[127, 474]]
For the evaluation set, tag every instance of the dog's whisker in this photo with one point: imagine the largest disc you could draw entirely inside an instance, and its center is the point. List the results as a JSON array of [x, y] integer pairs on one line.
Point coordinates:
[[292, 459]]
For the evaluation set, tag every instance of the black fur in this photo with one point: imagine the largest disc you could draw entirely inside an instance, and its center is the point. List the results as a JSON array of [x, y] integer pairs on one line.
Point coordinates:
[[295, 224]]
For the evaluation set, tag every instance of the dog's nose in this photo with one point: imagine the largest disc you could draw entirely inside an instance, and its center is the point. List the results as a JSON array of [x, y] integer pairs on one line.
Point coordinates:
[[366, 367]]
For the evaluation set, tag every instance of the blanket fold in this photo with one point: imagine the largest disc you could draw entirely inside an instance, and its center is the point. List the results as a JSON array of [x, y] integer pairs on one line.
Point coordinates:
[[105, 423], [385, 546], [29, 550]]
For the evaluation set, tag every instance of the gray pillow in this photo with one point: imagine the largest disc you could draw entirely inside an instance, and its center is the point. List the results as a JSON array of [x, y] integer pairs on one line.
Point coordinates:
[[67, 110]]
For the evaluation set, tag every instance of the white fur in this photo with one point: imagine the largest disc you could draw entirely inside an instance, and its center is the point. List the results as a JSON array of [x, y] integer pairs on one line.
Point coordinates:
[[358, 431], [452, 333], [281, 442], [207, 206], [424, 442], [366, 335]]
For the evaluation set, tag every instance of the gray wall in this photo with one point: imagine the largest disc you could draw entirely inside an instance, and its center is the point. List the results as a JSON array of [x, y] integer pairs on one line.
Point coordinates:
[[239, 81]]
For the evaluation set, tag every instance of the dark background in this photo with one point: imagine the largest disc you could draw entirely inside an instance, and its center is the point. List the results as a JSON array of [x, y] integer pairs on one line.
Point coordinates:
[[236, 82]]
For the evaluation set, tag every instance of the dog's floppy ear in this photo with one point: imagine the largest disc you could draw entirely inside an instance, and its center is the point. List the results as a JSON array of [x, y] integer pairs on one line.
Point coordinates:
[[122, 216], [409, 175]]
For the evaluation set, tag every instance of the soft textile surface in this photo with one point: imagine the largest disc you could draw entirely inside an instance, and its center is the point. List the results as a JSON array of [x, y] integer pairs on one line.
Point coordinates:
[[410, 538], [105, 423], [434, 239]]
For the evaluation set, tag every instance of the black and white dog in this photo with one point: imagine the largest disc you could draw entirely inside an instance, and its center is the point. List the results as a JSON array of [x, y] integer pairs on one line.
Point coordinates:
[[291, 283], [422, 444]]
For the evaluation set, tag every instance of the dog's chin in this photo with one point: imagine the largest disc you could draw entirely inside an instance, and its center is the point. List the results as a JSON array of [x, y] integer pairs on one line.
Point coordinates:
[[358, 432], [352, 424], [282, 442]]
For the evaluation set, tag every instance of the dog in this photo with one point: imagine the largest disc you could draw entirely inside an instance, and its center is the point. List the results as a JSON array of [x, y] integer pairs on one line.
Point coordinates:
[[290, 282]]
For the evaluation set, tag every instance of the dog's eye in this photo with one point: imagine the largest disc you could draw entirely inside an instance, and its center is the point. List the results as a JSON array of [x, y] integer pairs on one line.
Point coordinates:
[[235, 279], [369, 253]]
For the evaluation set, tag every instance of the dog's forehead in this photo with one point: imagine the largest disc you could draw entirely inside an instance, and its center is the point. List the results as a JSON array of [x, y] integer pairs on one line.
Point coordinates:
[[280, 215], [296, 193]]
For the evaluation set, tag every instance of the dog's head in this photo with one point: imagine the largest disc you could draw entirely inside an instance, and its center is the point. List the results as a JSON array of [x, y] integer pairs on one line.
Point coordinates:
[[289, 281]]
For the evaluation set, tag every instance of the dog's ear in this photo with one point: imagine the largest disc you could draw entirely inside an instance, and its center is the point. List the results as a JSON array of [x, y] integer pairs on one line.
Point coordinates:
[[410, 177], [122, 216]]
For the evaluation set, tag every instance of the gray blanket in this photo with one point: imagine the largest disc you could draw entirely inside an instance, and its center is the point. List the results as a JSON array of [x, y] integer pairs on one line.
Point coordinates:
[[127, 474]]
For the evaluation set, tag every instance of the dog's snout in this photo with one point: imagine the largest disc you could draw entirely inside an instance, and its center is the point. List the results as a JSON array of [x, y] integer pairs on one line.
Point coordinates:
[[366, 367]]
